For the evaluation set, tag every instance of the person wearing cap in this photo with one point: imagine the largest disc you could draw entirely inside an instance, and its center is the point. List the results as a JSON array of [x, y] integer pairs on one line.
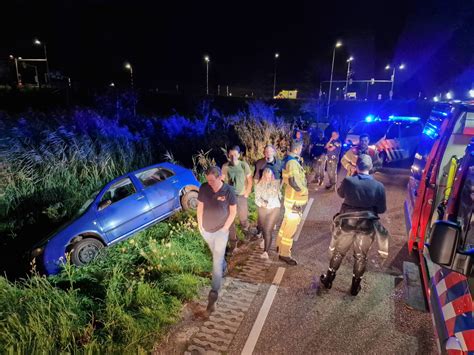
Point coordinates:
[[317, 153], [349, 159], [356, 223], [237, 174], [295, 198], [333, 148]]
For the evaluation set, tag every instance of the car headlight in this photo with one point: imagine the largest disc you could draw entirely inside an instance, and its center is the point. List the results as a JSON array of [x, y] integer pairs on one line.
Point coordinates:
[[37, 252]]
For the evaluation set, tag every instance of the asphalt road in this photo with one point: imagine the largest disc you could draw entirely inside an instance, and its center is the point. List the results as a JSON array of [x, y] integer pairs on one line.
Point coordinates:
[[306, 319]]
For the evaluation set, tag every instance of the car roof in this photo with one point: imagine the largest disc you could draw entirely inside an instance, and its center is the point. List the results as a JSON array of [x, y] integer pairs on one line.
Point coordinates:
[[166, 165]]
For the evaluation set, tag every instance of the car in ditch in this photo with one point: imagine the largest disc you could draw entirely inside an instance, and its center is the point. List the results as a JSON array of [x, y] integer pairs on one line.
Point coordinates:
[[126, 205]]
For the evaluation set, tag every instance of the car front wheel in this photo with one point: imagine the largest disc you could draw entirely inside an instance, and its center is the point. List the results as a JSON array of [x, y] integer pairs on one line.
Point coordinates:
[[189, 200], [84, 251]]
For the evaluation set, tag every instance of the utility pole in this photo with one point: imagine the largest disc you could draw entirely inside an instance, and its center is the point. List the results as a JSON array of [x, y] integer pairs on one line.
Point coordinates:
[[277, 55], [337, 45]]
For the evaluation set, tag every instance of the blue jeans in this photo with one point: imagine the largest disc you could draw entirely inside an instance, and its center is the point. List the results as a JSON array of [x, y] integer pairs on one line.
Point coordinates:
[[217, 243]]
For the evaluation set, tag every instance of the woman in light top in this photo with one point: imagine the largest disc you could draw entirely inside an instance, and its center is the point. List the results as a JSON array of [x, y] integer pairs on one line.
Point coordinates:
[[267, 198]]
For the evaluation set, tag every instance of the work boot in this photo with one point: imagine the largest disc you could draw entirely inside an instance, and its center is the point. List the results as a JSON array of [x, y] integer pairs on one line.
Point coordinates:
[[327, 278], [355, 287], [211, 301], [329, 187], [288, 259]]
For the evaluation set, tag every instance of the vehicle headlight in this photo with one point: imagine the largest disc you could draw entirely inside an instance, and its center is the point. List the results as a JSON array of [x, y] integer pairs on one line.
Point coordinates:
[[37, 252]]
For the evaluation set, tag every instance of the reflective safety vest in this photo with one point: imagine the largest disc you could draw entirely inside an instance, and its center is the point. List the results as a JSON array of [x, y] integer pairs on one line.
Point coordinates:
[[294, 169]]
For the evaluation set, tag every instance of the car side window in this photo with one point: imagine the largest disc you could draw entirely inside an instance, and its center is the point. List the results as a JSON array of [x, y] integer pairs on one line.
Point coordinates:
[[411, 130], [152, 176], [117, 192], [393, 132]]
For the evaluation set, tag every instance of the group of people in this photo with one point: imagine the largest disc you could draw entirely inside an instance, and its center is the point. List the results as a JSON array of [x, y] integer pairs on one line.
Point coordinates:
[[225, 196]]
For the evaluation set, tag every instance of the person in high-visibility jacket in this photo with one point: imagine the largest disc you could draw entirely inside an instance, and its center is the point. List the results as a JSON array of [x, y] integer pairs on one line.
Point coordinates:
[[295, 198], [349, 160]]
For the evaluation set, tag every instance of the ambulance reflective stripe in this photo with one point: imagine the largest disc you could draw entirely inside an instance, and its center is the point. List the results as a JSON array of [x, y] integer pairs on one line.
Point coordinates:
[[455, 299]]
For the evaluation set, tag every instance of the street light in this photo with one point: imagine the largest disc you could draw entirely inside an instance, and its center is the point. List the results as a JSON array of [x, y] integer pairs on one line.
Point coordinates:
[[349, 60], [277, 55], [18, 80], [449, 95], [207, 60], [337, 45], [37, 42], [387, 67], [129, 67]]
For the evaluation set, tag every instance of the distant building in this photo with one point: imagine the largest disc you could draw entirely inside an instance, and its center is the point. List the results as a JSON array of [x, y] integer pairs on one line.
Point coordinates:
[[287, 94]]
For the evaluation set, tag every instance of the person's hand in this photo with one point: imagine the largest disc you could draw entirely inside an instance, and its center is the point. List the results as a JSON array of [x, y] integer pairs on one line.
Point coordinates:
[[246, 195], [200, 228]]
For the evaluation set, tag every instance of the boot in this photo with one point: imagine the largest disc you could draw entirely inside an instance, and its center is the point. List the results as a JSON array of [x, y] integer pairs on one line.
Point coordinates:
[[328, 278], [288, 259], [211, 301], [355, 287]]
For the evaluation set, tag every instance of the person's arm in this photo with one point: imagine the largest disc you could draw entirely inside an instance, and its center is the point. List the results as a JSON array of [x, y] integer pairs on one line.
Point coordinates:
[[347, 163], [200, 212], [248, 181], [382, 201], [328, 146], [231, 217], [224, 176], [256, 174]]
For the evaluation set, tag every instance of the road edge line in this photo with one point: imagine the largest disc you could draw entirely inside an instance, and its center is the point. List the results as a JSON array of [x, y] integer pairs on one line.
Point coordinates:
[[263, 313]]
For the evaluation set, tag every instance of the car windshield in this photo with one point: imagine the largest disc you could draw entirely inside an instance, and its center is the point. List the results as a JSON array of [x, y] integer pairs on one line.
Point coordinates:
[[86, 205], [375, 130]]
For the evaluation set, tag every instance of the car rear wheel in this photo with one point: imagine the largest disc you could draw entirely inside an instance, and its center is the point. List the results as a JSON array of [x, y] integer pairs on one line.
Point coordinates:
[[189, 200], [84, 251]]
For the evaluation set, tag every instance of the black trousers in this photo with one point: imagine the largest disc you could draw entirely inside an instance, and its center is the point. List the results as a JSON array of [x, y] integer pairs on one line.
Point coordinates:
[[267, 218]]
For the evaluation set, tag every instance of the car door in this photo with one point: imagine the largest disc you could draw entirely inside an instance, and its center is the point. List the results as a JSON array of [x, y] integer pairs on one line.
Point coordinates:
[[122, 209], [160, 187], [391, 143], [410, 135]]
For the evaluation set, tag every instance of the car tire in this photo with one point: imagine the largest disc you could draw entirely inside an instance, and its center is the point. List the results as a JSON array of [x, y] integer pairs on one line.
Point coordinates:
[[189, 200], [85, 250]]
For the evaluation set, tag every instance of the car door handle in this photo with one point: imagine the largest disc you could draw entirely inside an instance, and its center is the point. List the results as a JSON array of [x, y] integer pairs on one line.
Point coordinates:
[[141, 197]]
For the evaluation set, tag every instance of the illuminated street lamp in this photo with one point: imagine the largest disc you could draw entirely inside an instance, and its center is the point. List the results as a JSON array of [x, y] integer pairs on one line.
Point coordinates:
[[449, 95], [129, 67], [337, 45], [388, 67], [349, 60], [37, 42], [18, 80], [277, 55], [207, 60]]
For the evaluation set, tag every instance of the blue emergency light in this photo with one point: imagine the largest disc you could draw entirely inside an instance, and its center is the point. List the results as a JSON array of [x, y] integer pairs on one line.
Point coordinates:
[[371, 118], [404, 118]]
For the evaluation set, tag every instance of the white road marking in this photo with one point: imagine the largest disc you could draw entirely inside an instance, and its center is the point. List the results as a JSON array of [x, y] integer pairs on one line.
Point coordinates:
[[263, 313], [305, 214]]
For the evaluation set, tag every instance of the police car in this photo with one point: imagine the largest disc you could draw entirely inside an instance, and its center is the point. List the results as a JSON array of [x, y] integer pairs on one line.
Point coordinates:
[[395, 138]]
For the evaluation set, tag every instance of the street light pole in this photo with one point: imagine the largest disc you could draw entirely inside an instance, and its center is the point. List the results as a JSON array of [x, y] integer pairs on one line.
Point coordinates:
[[275, 74], [348, 73], [130, 68], [206, 58], [338, 44], [39, 43], [401, 67]]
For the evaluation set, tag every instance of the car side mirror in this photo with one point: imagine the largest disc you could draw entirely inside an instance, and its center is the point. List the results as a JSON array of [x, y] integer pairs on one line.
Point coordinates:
[[444, 250], [104, 204]]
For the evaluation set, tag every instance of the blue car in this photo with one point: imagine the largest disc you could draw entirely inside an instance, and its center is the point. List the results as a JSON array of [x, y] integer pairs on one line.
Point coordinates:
[[126, 205]]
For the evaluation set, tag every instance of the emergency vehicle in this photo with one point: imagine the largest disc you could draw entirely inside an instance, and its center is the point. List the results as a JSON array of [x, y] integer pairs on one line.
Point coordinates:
[[438, 212], [396, 138]]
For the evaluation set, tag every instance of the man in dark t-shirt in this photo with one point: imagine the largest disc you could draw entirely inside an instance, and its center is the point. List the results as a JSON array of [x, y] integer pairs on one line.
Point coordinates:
[[217, 207], [333, 148], [269, 161]]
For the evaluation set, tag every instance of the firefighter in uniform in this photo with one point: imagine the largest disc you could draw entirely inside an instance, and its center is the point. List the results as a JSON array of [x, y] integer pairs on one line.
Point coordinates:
[[349, 159], [295, 198], [357, 224]]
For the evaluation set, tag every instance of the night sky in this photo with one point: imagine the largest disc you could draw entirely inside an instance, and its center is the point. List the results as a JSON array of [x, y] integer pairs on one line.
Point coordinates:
[[166, 40]]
